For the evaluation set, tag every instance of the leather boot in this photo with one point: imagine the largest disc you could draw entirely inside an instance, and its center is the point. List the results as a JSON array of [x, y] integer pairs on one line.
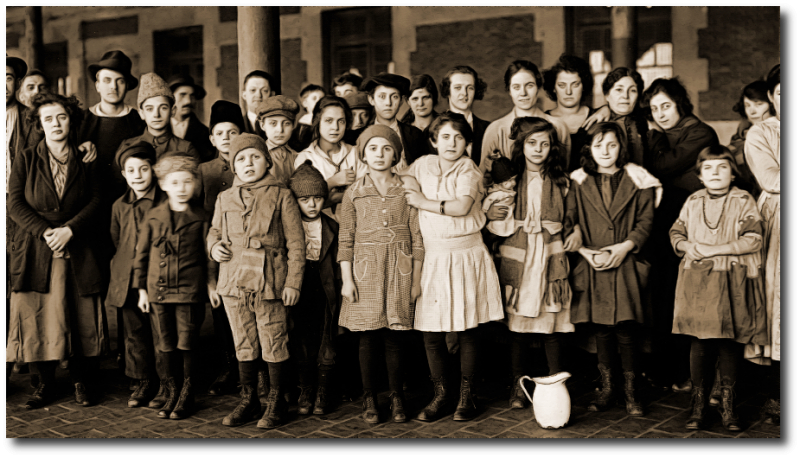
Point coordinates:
[[226, 380], [633, 406], [771, 412], [263, 386], [276, 411], [40, 398], [321, 402], [304, 401], [517, 398], [161, 396], [81, 396], [144, 392], [248, 409], [729, 418], [466, 409], [398, 409], [697, 419], [715, 396], [434, 409], [605, 397], [369, 409], [171, 392], [185, 406]]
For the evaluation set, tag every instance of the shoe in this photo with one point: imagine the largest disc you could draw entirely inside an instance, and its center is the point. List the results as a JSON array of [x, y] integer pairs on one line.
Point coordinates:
[[144, 392], [226, 380], [434, 409], [370, 408], [517, 398], [132, 384], [248, 409], [185, 406], [771, 412], [171, 392], [39, 398], [321, 402], [161, 396], [398, 410], [697, 418], [605, 397], [81, 397], [304, 405], [685, 387], [633, 406], [276, 411], [263, 387], [466, 409], [716, 392], [726, 410]]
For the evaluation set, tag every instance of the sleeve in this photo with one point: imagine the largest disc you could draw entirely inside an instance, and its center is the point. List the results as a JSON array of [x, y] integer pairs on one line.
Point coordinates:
[[295, 239], [115, 215], [18, 208], [678, 232], [490, 143], [212, 268], [411, 170], [85, 219], [749, 231], [347, 227], [141, 258], [468, 183], [669, 161], [192, 151], [761, 159], [571, 210], [215, 231], [417, 248], [643, 224]]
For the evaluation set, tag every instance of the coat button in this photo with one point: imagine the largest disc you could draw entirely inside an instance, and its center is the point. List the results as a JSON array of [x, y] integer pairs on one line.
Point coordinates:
[[161, 280], [383, 199], [163, 255], [383, 211], [225, 168], [610, 228], [224, 184], [274, 254], [385, 223], [161, 288], [162, 264], [160, 298]]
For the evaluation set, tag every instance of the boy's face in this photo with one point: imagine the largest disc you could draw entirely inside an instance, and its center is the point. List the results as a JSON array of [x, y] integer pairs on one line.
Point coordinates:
[[360, 118], [310, 206], [138, 173], [345, 90], [179, 186], [278, 129], [256, 90], [386, 101], [716, 174], [156, 112], [111, 86], [250, 165], [221, 137], [311, 99]]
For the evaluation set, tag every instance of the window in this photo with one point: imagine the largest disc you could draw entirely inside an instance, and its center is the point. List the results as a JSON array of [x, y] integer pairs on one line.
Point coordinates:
[[359, 40], [180, 52]]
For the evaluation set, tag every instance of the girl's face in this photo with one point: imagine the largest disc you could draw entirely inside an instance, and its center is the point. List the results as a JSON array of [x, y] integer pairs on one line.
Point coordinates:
[[716, 174], [536, 149], [332, 125], [756, 110], [462, 91], [221, 137], [622, 97], [179, 186], [523, 90], [605, 151], [379, 154], [775, 98], [665, 111], [310, 206], [278, 129], [360, 118], [250, 165], [55, 122], [569, 89], [421, 103], [450, 143]]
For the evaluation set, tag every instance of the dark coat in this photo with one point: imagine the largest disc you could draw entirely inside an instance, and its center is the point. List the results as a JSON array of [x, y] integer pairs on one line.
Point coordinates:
[[124, 233], [162, 144], [216, 176], [611, 296], [25, 135], [35, 207], [253, 129], [172, 262], [478, 129], [329, 270], [197, 133], [415, 144]]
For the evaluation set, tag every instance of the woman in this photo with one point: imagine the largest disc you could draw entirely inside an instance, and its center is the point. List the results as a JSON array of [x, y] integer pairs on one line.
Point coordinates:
[[762, 150], [621, 89], [674, 142], [462, 86], [754, 107], [56, 311], [423, 99], [570, 84]]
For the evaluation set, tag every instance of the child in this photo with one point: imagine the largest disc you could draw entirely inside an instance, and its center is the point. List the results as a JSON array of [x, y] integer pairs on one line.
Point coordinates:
[[257, 237], [536, 285], [276, 118], [362, 113], [316, 315], [309, 97], [172, 274], [460, 289], [503, 192], [610, 205], [345, 84], [380, 251], [754, 107], [216, 176], [136, 163], [719, 298]]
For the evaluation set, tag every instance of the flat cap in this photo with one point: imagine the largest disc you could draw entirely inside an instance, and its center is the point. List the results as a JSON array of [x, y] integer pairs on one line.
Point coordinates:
[[142, 150], [398, 82], [357, 100], [277, 105]]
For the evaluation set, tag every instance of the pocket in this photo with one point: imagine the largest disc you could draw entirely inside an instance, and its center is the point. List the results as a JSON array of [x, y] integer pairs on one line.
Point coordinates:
[[360, 269], [642, 271], [18, 252], [405, 263], [580, 276]]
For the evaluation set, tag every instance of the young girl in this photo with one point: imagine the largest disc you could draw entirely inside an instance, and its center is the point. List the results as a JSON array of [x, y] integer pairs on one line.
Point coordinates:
[[533, 266], [719, 297], [336, 160], [460, 289], [610, 204], [754, 107], [381, 253]]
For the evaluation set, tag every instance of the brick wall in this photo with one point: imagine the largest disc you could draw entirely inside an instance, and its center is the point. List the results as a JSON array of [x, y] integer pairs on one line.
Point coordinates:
[[741, 44], [502, 40]]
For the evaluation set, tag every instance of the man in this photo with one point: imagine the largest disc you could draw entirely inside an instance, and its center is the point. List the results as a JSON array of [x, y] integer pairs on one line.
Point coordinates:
[[257, 87], [35, 82], [184, 121]]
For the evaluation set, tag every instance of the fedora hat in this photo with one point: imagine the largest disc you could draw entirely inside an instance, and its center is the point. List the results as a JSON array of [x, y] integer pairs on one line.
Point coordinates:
[[19, 66], [117, 61], [185, 80]]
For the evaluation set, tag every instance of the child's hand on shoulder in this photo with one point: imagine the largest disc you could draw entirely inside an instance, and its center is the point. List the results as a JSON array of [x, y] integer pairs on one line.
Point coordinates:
[[221, 253], [414, 197], [410, 182], [349, 291], [290, 296]]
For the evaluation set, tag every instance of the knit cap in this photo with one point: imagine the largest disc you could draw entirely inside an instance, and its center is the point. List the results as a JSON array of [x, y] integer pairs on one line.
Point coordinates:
[[307, 181], [151, 86], [141, 149], [243, 141], [379, 130], [503, 169], [277, 105]]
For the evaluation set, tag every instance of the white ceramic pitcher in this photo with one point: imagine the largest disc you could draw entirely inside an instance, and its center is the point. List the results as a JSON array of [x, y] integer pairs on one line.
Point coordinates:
[[551, 402]]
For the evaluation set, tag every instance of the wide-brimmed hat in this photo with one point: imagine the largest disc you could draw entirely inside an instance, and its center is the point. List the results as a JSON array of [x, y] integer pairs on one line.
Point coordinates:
[[19, 66], [398, 82], [117, 61], [185, 80]]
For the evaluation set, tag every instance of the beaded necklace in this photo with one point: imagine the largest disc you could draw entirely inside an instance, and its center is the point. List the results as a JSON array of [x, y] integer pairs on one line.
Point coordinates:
[[715, 228]]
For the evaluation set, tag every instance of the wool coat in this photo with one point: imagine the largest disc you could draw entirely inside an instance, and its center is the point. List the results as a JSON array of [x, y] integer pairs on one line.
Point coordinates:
[[24, 136], [197, 134], [329, 272], [162, 144], [35, 207], [216, 176]]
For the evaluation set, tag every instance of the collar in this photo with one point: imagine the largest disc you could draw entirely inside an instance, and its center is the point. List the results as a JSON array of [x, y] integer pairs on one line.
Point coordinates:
[[686, 121], [272, 146], [163, 214], [394, 126], [253, 118], [435, 168], [537, 113], [268, 180], [156, 141], [95, 110], [365, 187], [175, 122], [130, 195]]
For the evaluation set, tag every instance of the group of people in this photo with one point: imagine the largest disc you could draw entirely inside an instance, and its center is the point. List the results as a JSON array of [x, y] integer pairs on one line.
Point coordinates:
[[628, 224]]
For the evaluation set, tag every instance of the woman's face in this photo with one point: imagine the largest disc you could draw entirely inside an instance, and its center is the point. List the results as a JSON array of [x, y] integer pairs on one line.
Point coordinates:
[[569, 89], [756, 110], [622, 97], [450, 143], [462, 91], [421, 103], [332, 125], [716, 174], [775, 98], [55, 122], [523, 90], [536, 149], [665, 111], [605, 151], [379, 154], [250, 165]]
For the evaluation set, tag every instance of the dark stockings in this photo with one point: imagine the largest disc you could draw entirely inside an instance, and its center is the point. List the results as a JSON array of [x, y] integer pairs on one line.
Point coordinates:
[[521, 352], [436, 349], [775, 381], [179, 362], [704, 357], [369, 351], [622, 337]]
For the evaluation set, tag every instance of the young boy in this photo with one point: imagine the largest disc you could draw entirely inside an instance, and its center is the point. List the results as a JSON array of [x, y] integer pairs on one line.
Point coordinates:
[[136, 163], [173, 275], [316, 315], [276, 118], [362, 113], [345, 84], [309, 97], [257, 237]]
